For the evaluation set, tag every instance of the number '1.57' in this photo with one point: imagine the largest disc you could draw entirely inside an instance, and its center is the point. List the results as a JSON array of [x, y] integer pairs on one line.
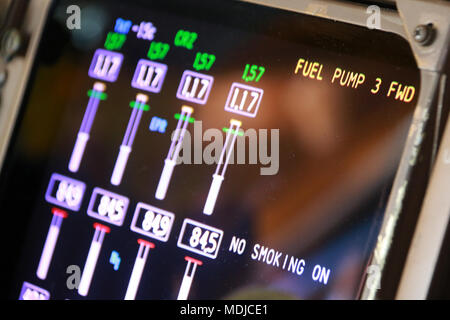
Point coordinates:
[[253, 73]]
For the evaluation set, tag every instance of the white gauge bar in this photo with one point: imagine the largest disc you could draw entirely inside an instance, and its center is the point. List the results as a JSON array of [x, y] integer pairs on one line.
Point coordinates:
[[221, 168], [128, 139], [92, 258], [188, 277], [50, 242], [121, 162], [86, 125], [138, 269], [174, 150]]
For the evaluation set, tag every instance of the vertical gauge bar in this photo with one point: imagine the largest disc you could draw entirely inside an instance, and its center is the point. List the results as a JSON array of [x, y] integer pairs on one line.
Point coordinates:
[[189, 273], [174, 150], [128, 139], [221, 168], [86, 125], [50, 242], [139, 264], [92, 258]]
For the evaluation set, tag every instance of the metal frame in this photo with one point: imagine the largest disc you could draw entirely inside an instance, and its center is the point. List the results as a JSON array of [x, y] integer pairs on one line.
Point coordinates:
[[18, 70], [430, 60]]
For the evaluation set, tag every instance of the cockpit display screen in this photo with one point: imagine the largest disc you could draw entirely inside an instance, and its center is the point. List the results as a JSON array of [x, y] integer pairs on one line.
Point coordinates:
[[203, 150]]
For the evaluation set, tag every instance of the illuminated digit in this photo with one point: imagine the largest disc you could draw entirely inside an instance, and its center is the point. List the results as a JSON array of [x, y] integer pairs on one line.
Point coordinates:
[[155, 224], [118, 210], [197, 61], [187, 82], [112, 208], [192, 38], [194, 87], [103, 206], [261, 72], [244, 97], [99, 64], [145, 75], [148, 220], [165, 225], [106, 66], [61, 192], [212, 240], [116, 61], [377, 86], [164, 49], [195, 237], [204, 240], [212, 58], [255, 96], [252, 72], [233, 100], [244, 75], [205, 84], [159, 74], [73, 195]]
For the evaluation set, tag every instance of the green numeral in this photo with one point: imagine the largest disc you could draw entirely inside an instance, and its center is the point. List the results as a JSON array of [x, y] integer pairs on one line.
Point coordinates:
[[253, 73], [203, 61], [185, 39], [115, 41], [158, 50]]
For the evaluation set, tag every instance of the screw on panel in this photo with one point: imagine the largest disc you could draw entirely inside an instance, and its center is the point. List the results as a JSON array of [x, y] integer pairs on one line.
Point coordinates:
[[424, 34], [10, 43]]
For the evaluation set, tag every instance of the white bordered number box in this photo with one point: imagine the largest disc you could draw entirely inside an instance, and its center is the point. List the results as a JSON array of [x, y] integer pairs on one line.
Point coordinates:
[[195, 87], [106, 65], [152, 222], [200, 238], [31, 292], [65, 192], [244, 100], [108, 206], [149, 76]]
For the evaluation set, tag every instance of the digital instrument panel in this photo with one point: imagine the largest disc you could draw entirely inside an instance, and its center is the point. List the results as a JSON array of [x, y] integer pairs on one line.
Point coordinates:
[[198, 150]]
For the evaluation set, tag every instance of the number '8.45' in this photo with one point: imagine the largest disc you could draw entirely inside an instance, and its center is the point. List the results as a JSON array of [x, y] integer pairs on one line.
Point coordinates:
[[205, 238], [113, 208]]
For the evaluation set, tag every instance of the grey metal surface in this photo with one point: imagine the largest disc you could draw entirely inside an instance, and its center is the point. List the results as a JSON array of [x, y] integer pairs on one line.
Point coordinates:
[[343, 11], [18, 71], [431, 226], [430, 59]]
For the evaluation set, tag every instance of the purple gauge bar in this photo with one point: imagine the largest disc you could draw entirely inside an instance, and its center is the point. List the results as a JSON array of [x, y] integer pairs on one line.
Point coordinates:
[[31, 292], [138, 268], [174, 151], [86, 125], [139, 106], [92, 258], [188, 277], [219, 174], [149, 76], [108, 206], [244, 100], [65, 192], [50, 242], [195, 87], [106, 65]]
